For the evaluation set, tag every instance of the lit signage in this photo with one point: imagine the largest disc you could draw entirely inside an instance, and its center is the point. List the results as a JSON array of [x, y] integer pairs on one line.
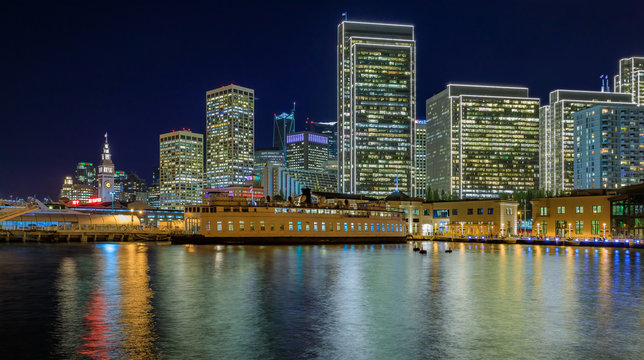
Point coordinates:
[[95, 200], [74, 202]]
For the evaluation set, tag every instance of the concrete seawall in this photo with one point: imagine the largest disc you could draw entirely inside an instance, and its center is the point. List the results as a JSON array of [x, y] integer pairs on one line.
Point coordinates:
[[561, 242]]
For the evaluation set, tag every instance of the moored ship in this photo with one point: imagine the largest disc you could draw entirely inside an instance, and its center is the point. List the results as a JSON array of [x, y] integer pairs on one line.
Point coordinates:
[[224, 219]]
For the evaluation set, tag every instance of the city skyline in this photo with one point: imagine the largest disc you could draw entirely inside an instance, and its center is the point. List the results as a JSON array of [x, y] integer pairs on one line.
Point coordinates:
[[113, 110]]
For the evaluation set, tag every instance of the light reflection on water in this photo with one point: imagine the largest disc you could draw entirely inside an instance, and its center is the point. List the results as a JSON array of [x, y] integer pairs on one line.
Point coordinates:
[[146, 301]]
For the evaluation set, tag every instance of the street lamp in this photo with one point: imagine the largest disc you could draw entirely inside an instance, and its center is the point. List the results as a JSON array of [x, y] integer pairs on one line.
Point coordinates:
[[131, 218], [462, 234], [604, 231], [520, 224], [569, 231], [538, 228]]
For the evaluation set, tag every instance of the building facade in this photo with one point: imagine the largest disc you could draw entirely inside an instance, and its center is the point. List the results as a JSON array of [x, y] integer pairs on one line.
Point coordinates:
[[79, 192], [230, 139], [105, 178], [181, 169], [287, 182], [376, 85], [557, 162], [421, 157], [609, 147], [627, 213], [85, 173], [630, 79], [267, 156], [482, 141], [330, 130], [307, 151], [583, 216]]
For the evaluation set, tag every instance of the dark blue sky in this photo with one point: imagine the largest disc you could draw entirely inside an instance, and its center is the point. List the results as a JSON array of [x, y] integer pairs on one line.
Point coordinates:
[[71, 70]]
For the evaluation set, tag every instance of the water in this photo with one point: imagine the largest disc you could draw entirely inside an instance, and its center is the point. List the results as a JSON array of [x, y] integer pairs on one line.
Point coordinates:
[[328, 302]]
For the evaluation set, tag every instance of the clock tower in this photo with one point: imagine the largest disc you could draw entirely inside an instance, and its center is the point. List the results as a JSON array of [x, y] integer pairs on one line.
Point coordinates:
[[106, 173]]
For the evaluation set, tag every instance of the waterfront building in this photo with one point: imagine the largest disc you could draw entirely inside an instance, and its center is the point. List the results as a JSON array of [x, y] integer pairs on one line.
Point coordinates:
[[230, 139], [609, 147], [267, 156], [105, 179], [482, 141], [76, 192], [626, 212], [583, 215], [557, 162], [376, 107], [248, 192], [283, 125], [487, 218], [85, 173], [330, 129], [421, 157], [226, 219], [630, 79], [181, 169], [287, 182], [307, 151]]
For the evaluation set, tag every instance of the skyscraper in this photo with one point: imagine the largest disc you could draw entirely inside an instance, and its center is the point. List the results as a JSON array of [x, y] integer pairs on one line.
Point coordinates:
[[631, 78], [283, 125], [557, 162], [609, 147], [482, 141], [307, 151], [376, 108], [85, 173], [106, 174], [181, 169], [421, 157], [267, 156], [230, 142]]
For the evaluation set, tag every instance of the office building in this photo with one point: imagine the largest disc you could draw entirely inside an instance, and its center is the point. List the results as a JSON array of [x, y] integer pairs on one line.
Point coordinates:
[[181, 169], [154, 195], [421, 157], [482, 141], [85, 173], [105, 179], [80, 193], [557, 162], [307, 151], [267, 156], [283, 125], [230, 139], [609, 147], [286, 182], [376, 108], [330, 130], [133, 188], [630, 79]]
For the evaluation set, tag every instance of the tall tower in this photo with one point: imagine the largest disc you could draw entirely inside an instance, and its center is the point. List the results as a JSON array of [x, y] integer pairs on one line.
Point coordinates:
[[283, 125], [181, 169], [376, 108], [106, 173], [631, 78], [230, 138]]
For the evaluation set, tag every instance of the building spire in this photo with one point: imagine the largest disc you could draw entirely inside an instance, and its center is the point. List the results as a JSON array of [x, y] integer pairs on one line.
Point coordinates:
[[106, 136]]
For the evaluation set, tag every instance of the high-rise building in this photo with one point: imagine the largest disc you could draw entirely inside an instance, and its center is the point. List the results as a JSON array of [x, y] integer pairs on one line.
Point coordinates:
[[482, 141], [609, 147], [376, 108], [330, 129], [85, 173], [105, 181], [181, 169], [230, 142], [307, 151], [631, 78], [267, 156], [545, 146], [557, 162], [421, 157], [279, 180], [154, 195], [283, 125], [76, 192], [133, 188]]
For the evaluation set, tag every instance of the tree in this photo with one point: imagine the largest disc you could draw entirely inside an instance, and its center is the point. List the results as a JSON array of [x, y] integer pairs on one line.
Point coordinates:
[[428, 194]]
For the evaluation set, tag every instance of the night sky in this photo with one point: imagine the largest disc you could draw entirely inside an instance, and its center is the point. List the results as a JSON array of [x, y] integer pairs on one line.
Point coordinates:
[[71, 71]]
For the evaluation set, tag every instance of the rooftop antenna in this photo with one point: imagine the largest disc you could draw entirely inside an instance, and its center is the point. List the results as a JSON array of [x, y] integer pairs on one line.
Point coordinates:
[[345, 16], [603, 89]]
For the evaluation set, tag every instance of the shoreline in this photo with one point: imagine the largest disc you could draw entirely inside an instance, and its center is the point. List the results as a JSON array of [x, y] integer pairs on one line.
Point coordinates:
[[553, 242]]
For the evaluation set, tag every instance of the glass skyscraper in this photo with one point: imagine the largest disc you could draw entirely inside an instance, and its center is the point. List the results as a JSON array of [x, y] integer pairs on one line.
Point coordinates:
[[482, 141], [181, 169], [557, 162], [307, 151], [376, 108], [230, 139], [330, 129], [421, 157], [283, 125]]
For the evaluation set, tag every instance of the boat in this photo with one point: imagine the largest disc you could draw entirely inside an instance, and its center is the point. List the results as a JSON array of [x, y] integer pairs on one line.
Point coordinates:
[[226, 219]]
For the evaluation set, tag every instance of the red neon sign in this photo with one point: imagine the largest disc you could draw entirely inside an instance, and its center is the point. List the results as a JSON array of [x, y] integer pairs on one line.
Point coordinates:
[[95, 200], [74, 202]]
